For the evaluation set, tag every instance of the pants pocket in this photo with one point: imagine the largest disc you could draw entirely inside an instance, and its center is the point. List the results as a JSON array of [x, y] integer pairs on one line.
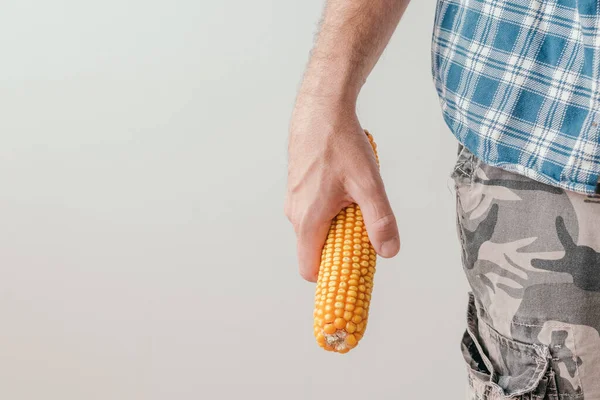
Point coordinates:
[[462, 174], [502, 368], [464, 167]]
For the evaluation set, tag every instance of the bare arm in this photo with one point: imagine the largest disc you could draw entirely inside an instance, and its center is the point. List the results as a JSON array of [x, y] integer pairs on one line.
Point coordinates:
[[330, 160], [352, 37]]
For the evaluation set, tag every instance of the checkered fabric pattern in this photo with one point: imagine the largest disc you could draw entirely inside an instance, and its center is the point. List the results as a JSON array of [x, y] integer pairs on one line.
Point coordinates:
[[518, 84]]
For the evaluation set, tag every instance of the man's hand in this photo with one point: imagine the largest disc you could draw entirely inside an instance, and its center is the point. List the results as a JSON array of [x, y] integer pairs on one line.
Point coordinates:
[[332, 165]]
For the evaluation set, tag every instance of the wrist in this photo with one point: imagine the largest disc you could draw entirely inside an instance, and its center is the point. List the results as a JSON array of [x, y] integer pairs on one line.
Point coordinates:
[[332, 79]]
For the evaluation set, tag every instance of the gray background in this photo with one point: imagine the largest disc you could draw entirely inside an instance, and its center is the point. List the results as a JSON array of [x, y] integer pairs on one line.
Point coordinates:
[[143, 249]]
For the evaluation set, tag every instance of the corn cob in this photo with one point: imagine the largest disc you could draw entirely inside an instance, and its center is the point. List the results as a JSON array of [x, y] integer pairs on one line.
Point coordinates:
[[345, 280]]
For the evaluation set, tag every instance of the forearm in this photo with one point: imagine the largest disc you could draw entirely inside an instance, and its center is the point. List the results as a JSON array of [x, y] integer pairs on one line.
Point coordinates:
[[352, 37]]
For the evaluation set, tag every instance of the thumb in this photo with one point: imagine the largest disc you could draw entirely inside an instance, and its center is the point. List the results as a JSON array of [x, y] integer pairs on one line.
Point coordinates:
[[380, 220]]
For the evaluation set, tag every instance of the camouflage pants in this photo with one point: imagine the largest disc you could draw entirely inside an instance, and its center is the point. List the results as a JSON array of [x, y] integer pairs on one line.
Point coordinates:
[[531, 255]]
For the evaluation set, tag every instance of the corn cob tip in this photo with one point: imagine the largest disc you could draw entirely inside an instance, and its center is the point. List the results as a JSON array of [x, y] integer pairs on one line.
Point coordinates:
[[337, 340]]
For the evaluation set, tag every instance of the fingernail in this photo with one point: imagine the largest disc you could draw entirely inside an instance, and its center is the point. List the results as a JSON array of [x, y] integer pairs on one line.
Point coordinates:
[[390, 247]]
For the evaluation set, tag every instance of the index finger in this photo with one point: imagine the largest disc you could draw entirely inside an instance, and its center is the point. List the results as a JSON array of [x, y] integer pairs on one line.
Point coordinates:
[[311, 239]]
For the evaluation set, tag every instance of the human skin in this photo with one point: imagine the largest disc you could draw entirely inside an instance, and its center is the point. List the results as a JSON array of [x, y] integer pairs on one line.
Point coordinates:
[[331, 163]]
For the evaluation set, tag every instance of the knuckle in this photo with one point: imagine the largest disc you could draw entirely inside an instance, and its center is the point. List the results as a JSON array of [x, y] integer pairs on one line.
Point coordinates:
[[288, 213], [384, 223]]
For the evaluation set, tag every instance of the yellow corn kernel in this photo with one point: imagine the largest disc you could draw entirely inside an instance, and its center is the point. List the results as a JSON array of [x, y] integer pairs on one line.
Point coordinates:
[[339, 323], [345, 280], [351, 340], [329, 329]]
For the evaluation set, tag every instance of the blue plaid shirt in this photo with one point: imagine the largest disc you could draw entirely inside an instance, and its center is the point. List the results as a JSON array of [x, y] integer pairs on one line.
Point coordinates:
[[518, 82]]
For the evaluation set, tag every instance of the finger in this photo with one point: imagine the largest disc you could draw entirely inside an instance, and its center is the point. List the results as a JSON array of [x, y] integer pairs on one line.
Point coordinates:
[[311, 239], [379, 220]]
